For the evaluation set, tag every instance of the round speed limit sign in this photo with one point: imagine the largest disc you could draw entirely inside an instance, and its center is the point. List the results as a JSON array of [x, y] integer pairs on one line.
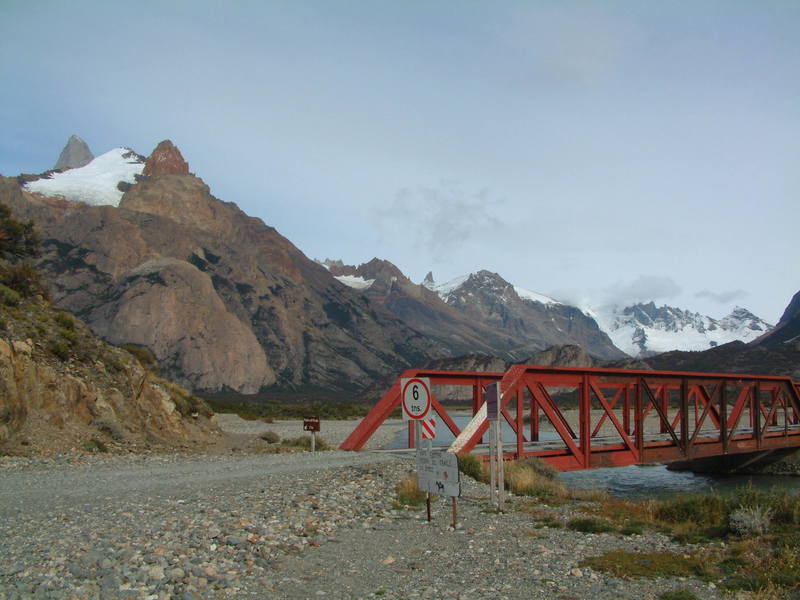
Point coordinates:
[[415, 394]]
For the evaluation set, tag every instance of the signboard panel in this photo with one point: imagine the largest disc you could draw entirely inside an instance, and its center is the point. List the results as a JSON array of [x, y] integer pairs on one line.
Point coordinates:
[[310, 423], [428, 429], [415, 396], [491, 395], [437, 472]]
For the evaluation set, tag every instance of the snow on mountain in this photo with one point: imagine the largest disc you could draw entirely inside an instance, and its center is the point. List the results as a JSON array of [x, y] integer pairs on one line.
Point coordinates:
[[354, 281], [97, 183], [446, 289], [644, 329]]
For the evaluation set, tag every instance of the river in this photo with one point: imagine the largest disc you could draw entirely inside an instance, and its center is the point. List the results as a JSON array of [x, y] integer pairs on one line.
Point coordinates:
[[637, 481]]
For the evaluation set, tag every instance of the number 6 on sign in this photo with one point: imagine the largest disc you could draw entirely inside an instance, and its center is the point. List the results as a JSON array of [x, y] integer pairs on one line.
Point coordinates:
[[415, 396]]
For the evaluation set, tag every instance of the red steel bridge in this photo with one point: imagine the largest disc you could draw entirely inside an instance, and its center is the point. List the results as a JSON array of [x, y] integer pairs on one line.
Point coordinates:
[[577, 418]]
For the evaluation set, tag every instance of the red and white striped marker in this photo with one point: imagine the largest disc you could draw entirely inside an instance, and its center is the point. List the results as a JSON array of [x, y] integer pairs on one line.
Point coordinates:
[[428, 429]]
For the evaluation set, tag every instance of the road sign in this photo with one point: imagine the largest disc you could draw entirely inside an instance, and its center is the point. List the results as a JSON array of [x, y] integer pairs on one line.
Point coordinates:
[[310, 423], [428, 429], [491, 395], [415, 395], [437, 472]]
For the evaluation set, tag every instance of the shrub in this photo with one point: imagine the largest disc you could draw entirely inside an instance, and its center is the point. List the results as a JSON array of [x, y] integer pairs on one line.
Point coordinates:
[[524, 479], [141, 353], [94, 445], [538, 466], [622, 563], [270, 437], [23, 278], [110, 428], [677, 595], [59, 348], [708, 510], [589, 525], [304, 442], [8, 296], [754, 520], [472, 466], [408, 492], [65, 320]]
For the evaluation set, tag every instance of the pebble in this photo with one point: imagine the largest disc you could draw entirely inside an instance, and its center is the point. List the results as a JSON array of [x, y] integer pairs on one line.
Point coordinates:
[[328, 531]]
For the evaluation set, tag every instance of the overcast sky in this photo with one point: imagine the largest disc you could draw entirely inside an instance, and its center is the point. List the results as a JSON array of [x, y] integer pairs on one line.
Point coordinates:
[[612, 151]]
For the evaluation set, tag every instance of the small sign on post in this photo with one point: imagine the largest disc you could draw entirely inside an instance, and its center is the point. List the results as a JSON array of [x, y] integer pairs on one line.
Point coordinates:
[[415, 396], [312, 424]]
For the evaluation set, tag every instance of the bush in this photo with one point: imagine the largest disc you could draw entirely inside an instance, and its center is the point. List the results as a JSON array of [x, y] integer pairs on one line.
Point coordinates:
[[678, 595], [527, 479], [110, 428], [754, 520], [65, 320], [270, 437], [408, 492], [59, 348], [141, 353], [8, 296], [304, 442], [589, 525], [708, 510], [186, 403], [472, 466], [23, 278], [94, 445]]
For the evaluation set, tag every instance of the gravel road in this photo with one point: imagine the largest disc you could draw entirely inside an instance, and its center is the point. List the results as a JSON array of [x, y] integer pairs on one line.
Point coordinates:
[[282, 526]]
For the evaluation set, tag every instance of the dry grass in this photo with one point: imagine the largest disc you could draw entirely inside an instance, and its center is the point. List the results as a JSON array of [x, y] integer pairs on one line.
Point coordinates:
[[408, 492]]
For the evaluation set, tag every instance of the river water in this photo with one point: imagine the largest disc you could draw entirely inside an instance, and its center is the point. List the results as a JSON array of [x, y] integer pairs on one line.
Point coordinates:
[[636, 481]]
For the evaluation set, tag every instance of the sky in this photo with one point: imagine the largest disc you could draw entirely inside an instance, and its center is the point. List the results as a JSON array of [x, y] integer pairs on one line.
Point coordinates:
[[597, 152]]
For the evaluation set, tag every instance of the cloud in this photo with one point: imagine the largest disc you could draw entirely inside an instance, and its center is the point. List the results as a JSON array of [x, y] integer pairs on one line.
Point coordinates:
[[643, 289], [721, 297], [443, 218]]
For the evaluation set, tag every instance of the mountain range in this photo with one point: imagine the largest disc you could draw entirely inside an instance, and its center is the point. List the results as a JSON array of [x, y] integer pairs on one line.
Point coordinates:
[[140, 249]]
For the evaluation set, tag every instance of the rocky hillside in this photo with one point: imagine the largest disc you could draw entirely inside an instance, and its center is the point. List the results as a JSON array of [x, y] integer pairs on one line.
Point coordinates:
[[63, 390], [478, 313], [775, 353], [222, 300]]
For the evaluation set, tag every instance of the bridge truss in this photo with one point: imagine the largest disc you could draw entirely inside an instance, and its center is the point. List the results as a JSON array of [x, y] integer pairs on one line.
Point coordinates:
[[588, 418]]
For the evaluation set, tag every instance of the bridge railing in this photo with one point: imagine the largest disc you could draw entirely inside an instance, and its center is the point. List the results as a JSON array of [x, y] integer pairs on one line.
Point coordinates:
[[586, 418]]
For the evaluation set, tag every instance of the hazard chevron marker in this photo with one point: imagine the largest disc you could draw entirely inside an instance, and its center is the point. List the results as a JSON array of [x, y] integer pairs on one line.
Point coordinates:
[[428, 429]]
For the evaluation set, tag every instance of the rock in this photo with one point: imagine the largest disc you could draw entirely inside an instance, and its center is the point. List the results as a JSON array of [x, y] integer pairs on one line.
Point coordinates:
[[166, 159], [74, 155]]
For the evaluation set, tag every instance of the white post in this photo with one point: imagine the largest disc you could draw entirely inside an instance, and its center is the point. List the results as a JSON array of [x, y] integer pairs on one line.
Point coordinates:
[[313, 441], [500, 465], [492, 465]]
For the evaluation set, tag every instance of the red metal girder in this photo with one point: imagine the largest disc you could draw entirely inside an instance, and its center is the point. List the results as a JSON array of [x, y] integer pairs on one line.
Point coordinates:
[[556, 418], [603, 417], [738, 408], [708, 400], [661, 414], [608, 411], [379, 413], [708, 406]]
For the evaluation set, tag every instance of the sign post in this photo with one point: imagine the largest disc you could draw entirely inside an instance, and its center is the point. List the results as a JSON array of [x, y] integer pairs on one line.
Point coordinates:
[[312, 424], [491, 396]]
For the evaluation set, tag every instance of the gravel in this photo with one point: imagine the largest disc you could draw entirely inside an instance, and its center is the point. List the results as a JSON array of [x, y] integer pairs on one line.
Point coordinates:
[[283, 526]]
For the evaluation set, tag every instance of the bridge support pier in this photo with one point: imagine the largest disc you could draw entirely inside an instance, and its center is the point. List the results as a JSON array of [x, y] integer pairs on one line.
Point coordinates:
[[785, 461]]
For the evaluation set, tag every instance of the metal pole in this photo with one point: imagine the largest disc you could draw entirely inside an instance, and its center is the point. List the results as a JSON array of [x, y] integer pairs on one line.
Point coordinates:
[[313, 441], [455, 512], [428, 494]]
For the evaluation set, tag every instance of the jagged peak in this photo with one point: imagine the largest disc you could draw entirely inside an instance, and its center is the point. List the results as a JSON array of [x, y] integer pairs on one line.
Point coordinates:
[[166, 159], [76, 154]]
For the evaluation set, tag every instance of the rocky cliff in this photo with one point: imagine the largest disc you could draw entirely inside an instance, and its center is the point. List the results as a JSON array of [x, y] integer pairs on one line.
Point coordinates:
[[75, 154], [222, 300], [63, 390]]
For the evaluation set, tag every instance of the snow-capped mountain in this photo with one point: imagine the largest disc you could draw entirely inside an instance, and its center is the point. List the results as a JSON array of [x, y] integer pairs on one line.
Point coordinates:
[[490, 283], [97, 183], [645, 329]]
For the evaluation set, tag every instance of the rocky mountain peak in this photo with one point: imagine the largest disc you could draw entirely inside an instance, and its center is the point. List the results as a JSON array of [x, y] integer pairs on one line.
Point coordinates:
[[429, 282], [166, 159], [74, 155], [381, 269]]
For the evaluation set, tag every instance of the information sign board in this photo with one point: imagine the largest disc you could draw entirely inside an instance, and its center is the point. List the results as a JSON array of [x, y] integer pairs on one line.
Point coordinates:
[[437, 472], [491, 395]]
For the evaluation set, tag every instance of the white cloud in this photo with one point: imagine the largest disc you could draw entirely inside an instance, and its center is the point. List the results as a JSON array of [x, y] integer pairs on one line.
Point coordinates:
[[722, 297], [643, 289]]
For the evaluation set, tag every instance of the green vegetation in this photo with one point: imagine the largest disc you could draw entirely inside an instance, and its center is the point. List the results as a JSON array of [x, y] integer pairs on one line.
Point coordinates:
[[761, 531], [471, 466], [186, 403], [408, 493], [65, 320], [142, 354], [677, 595], [304, 442], [270, 437], [590, 525], [275, 409], [94, 445], [621, 563]]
